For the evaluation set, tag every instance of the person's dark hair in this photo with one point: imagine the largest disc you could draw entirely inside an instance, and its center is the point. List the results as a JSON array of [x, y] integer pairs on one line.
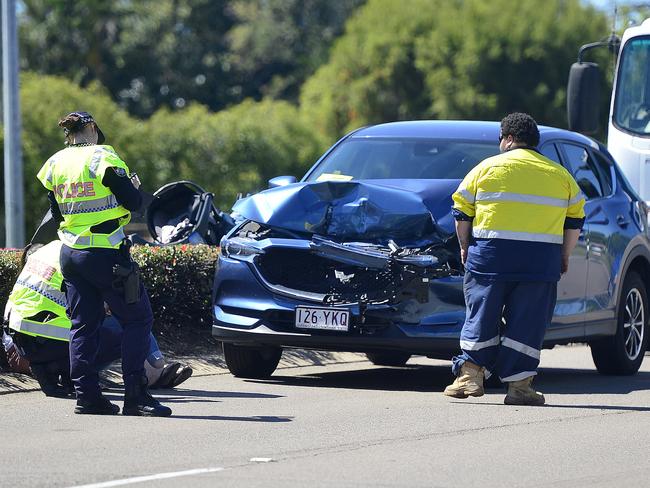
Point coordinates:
[[72, 123], [522, 127], [75, 122]]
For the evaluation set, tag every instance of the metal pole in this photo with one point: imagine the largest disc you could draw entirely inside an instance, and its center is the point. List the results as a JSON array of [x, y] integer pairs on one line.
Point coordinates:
[[14, 201]]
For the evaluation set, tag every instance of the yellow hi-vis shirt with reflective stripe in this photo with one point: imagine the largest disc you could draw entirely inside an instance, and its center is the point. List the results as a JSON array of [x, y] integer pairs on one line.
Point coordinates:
[[75, 176], [519, 195], [38, 290]]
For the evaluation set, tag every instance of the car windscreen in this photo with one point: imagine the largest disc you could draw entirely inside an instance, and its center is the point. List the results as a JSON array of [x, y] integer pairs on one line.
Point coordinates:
[[402, 158]]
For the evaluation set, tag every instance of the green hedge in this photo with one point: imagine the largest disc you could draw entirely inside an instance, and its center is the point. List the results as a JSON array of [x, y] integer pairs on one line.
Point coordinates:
[[179, 280], [9, 269]]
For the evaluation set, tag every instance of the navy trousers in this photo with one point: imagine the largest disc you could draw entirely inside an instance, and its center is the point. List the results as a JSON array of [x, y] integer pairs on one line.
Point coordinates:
[[88, 277], [40, 350], [510, 350]]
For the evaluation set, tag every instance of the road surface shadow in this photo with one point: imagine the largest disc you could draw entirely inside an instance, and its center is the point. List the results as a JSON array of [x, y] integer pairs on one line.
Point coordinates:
[[427, 378], [618, 408], [190, 396], [256, 418], [211, 394], [576, 381], [409, 378]]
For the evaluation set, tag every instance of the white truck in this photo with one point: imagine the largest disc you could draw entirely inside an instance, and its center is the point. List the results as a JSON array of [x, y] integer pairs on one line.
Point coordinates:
[[628, 136]]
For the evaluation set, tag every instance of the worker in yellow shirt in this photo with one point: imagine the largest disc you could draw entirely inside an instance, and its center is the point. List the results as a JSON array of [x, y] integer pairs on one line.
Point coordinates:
[[518, 217]]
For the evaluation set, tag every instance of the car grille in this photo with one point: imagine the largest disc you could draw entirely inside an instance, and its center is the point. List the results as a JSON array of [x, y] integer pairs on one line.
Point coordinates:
[[341, 283]]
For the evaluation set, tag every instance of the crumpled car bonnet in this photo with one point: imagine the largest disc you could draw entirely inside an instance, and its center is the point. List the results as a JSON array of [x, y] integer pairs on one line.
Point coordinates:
[[378, 210]]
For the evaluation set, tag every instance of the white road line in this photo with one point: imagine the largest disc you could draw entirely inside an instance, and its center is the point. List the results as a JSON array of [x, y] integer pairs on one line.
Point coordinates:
[[261, 460], [141, 479]]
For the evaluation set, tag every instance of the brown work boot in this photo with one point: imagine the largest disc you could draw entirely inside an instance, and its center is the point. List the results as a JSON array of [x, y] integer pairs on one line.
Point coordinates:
[[522, 393], [468, 383]]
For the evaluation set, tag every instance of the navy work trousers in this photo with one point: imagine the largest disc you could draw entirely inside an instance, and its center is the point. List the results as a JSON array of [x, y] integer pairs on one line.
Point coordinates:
[[510, 350], [88, 277], [41, 350]]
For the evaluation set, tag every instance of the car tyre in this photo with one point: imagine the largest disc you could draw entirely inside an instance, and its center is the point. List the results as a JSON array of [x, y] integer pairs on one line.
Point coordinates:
[[388, 358], [622, 354], [251, 362]]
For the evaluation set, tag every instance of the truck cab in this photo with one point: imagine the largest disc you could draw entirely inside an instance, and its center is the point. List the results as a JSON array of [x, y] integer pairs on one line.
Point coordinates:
[[628, 135]]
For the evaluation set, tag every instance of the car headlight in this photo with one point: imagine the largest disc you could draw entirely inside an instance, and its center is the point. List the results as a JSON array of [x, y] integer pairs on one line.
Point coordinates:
[[240, 248]]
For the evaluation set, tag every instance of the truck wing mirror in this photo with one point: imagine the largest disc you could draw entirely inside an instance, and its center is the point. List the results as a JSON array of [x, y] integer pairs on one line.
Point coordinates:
[[583, 98]]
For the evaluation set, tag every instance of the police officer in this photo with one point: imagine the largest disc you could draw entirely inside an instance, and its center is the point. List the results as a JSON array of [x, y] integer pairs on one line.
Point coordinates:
[[35, 314], [92, 195], [37, 322], [518, 217]]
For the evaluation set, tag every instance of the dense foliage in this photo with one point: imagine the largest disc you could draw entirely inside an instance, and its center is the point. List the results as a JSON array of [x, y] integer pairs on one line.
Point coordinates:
[[442, 59], [228, 152], [179, 281], [155, 53]]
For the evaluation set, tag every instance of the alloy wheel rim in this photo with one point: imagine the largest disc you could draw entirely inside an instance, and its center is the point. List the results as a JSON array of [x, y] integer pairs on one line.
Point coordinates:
[[633, 324]]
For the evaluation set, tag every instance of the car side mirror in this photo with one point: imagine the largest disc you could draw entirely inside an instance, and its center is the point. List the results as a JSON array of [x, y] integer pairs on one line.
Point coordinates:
[[281, 181], [583, 98]]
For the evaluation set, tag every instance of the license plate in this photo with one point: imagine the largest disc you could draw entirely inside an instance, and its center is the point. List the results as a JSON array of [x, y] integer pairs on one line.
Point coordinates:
[[322, 318]]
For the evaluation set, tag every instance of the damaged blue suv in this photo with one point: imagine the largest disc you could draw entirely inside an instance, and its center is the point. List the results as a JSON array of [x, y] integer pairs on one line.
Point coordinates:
[[361, 254]]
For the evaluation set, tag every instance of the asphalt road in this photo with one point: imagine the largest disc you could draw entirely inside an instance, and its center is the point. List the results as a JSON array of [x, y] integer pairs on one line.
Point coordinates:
[[344, 425]]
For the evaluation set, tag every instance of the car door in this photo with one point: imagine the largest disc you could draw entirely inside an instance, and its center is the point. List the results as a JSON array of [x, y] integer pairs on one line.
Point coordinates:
[[603, 222], [569, 317]]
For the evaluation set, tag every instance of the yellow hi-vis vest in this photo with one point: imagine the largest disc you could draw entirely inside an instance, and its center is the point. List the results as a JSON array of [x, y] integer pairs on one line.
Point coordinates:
[[38, 289], [75, 176], [519, 195]]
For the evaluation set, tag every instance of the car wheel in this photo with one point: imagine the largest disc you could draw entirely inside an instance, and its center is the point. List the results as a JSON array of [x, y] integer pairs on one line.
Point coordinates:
[[251, 362], [622, 353], [388, 358]]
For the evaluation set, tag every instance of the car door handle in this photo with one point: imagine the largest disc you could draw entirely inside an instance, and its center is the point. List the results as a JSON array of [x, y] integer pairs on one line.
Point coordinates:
[[622, 221], [597, 216]]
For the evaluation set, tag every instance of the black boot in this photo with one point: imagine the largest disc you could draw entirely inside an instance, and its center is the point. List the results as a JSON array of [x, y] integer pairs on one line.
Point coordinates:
[[97, 406], [48, 381], [138, 401]]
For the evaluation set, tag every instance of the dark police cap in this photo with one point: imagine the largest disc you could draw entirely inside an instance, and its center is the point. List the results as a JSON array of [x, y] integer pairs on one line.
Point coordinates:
[[84, 119]]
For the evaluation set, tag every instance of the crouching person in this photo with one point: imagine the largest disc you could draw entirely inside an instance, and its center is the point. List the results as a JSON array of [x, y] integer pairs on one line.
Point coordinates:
[[40, 329]]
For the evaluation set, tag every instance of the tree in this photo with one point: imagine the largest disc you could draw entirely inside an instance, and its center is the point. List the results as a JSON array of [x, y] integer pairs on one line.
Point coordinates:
[[464, 59], [276, 44], [147, 53], [173, 52], [154, 53], [71, 38], [44, 100], [371, 75], [230, 152], [505, 60], [234, 151]]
